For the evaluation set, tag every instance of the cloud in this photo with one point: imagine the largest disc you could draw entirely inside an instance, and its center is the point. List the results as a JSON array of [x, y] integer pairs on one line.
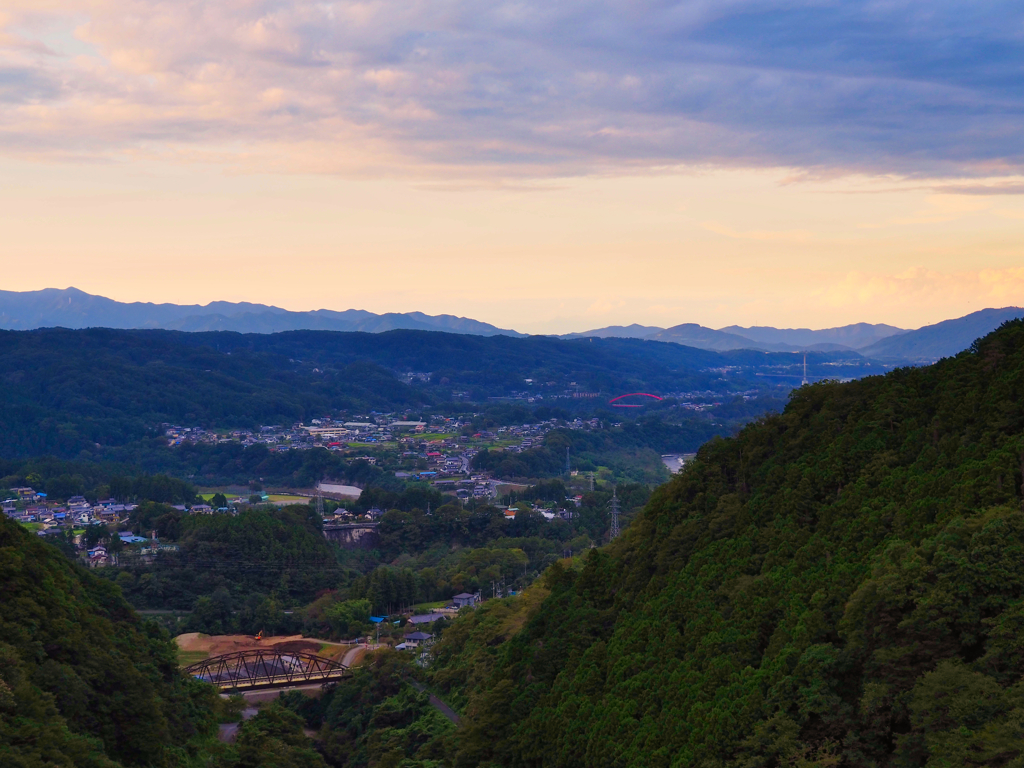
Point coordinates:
[[922, 287], [521, 88]]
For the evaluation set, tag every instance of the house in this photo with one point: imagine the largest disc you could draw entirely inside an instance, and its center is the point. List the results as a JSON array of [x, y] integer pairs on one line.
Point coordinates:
[[464, 600], [415, 638], [407, 425]]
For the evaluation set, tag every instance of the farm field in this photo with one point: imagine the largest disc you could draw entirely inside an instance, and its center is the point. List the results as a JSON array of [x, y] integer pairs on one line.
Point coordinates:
[[187, 658], [195, 646]]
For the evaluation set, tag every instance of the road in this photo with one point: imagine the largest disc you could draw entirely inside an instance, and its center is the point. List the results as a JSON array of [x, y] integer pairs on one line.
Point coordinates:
[[436, 703], [350, 657], [229, 731]]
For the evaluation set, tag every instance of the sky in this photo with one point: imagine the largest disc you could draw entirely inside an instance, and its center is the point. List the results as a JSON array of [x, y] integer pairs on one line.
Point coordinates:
[[545, 166]]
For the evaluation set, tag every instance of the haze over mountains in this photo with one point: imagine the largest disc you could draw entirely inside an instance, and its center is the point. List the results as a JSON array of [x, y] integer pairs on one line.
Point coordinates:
[[72, 308], [758, 337]]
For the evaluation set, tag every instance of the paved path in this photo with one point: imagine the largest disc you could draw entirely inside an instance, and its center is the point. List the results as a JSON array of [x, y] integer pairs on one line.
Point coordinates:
[[436, 703], [347, 661], [229, 731]]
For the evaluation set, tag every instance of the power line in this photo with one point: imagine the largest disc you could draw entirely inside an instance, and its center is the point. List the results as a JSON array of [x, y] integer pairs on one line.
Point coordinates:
[[615, 515]]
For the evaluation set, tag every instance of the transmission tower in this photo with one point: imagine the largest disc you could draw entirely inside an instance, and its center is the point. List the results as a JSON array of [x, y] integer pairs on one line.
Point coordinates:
[[804, 382], [319, 501], [615, 515], [568, 467]]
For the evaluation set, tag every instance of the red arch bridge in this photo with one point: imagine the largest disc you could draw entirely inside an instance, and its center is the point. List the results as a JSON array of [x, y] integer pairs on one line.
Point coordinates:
[[614, 400], [257, 669]]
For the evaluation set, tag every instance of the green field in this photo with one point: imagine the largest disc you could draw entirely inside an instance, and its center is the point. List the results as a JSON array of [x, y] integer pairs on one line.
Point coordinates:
[[185, 658], [427, 607]]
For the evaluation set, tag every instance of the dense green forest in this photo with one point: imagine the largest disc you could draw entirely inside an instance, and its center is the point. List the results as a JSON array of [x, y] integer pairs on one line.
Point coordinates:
[[272, 569], [259, 554], [632, 451], [841, 584], [377, 719], [65, 391], [69, 393]]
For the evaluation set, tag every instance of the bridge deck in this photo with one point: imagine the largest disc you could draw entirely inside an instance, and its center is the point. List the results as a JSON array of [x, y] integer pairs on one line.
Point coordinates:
[[262, 669]]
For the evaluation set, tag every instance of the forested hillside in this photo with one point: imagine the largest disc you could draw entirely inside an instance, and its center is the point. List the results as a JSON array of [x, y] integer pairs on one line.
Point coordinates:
[[65, 391], [83, 681], [68, 392], [841, 584], [86, 683]]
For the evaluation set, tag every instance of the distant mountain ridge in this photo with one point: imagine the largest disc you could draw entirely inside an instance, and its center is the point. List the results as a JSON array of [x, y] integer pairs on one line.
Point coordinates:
[[693, 335], [848, 337], [72, 308], [879, 342], [945, 339]]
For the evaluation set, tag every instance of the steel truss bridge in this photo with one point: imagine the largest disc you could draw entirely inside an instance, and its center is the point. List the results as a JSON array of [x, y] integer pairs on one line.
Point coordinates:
[[258, 669]]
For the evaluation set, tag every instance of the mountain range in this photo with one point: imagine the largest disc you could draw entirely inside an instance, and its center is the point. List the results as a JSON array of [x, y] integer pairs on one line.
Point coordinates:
[[72, 308], [881, 342]]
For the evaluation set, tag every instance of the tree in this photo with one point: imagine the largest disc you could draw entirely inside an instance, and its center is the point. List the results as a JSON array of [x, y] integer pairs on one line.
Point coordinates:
[[94, 534]]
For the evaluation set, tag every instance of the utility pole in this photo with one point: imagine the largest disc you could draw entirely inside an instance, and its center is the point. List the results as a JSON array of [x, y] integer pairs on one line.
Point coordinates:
[[615, 515]]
